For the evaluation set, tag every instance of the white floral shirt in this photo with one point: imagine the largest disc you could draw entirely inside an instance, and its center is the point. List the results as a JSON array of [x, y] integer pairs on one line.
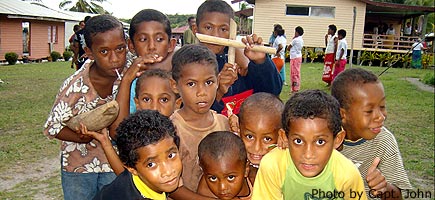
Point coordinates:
[[77, 95]]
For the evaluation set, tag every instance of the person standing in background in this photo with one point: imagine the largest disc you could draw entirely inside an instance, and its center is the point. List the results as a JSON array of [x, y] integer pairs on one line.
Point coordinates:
[[189, 34]]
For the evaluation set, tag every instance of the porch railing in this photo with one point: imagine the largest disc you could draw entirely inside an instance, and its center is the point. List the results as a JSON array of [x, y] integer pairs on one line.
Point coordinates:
[[392, 42]]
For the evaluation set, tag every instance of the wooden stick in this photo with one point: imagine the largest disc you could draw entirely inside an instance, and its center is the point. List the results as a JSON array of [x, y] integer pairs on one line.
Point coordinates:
[[233, 43], [232, 50]]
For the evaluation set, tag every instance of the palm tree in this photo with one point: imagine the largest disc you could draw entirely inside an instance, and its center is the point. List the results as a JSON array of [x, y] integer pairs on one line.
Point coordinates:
[[84, 6]]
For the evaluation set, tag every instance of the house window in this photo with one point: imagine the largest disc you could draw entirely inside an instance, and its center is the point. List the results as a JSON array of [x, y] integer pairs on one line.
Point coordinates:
[[26, 37], [312, 11], [52, 34]]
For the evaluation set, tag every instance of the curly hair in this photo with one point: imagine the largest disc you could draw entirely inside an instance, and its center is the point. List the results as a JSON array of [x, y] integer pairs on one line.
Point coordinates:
[[312, 104], [100, 24], [347, 80], [140, 129], [193, 53], [220, 144], [151, 73], [147, 15], [213, 6], [261, 103]]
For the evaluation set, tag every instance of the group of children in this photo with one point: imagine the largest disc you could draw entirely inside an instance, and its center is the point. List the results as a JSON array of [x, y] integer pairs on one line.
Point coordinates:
[[335, 53], [187, 152]]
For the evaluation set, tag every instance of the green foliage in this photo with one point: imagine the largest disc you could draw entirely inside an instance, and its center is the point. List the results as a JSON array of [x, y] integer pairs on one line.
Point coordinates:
[[405, 60], [11, 57], [427, 60], [54, 55], [314, 54], [429, 79], [67, 55], [86, 6], [178, 20]]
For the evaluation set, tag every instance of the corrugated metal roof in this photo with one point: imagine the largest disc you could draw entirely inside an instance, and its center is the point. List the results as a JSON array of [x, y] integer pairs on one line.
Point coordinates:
[[23, 9]]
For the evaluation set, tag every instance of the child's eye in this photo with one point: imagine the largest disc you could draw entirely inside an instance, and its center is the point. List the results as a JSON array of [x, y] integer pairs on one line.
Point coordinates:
[[250, 137], [320, 142], [159, 39], [297, 141], [190, 84], [146, 99], [142, 39], [151, 165], [104, 51], [212, 178], [224, 29], [209, 82], [164, 100], [368, 111], [119, 49], [267, 139], [231, 177], [172, 155], [208, 28]]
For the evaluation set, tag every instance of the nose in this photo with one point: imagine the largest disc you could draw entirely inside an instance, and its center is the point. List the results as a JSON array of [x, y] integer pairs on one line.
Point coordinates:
[[222, 187], [114, 57], [154, 105], [166, 169], [309, 152], [257, 146], [379, 116], [151, 45], [201, 91]]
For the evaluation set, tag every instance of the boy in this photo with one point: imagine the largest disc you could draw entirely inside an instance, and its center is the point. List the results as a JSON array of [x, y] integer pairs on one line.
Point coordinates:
[[295, 49], [236, 83], [341, 54], [85, 168], [195, 79], [311, 168], [371, 147], [331, 46], [222, 157], [260, 122], [148, 147]]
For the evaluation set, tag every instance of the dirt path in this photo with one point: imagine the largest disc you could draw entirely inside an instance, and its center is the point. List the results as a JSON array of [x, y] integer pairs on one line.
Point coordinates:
[[420, 85]]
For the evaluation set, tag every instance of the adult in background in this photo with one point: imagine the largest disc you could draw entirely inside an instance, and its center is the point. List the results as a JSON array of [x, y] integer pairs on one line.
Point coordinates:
[[416, 53], [72, 47], [279, 44], [80, 44], [188, 35]]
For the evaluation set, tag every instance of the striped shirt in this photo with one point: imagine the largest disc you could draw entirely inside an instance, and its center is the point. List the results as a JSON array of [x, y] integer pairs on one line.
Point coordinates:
[[362, 153]]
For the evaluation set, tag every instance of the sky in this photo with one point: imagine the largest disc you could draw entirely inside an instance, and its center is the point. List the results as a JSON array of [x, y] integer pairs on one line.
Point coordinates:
[[128, 8]]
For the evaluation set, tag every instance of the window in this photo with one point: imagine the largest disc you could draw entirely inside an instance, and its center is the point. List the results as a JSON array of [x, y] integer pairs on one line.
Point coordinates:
[[312, 11], [52, 34]]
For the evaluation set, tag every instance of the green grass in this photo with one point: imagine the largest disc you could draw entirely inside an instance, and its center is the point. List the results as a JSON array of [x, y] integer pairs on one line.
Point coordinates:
[[29, 90]]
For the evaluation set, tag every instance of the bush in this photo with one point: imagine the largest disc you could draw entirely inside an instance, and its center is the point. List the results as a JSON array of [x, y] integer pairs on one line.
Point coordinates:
[[429, 79], [54, 55], [67, 55], [11, 57]]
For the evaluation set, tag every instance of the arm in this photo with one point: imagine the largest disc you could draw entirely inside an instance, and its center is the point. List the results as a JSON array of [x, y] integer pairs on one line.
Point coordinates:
[[67, 134], [227, 76], [278, 50], [267, 185], [107, 146], [182, 193]]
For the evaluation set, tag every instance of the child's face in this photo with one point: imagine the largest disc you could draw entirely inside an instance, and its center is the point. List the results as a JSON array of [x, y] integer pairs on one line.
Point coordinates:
[[224, 177], [159, 165], [151, 38], [215, 24], [258, 132], [340, 37], [197, 87], [367, 112], [311, 143], [156, 94], [109, 51]]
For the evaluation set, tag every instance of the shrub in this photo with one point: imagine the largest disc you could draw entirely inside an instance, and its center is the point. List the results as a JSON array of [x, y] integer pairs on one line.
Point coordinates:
[[54, 55], [67, 55], [11, 57], [429, 79]]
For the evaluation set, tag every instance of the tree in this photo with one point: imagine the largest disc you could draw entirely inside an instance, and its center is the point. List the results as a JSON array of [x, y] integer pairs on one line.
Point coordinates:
[[84, 6]]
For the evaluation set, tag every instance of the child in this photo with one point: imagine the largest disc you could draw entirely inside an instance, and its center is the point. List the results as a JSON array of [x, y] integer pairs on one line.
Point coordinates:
[[260, 122], [85, 168], [331, 46], [148, 147], [311, 168], [295, 48], [368, 143], [279, 44], [258, 74], [195, 74], [341, 54], [222, 157]]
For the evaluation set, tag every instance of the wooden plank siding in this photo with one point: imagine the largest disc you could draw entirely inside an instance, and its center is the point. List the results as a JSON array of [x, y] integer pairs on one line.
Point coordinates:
[[269, 12], [11, 37]]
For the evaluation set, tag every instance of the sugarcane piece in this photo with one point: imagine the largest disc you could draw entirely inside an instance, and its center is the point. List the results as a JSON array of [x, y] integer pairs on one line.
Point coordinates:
[[232, 50], [97, 119]]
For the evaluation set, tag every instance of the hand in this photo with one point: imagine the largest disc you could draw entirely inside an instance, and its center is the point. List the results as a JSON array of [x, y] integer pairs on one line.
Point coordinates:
[[256, 57], [102, 137], [282, 142], [375, 180], [227, 76], [141, 64], [234, 124]]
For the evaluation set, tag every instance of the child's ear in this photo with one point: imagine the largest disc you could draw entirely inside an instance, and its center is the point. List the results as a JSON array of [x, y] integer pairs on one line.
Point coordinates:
[[343, 115], [136, 102], [174, 85], [247, 169], [131, 170], [339, 138], [131, 46], [88, 52], [172, 44]]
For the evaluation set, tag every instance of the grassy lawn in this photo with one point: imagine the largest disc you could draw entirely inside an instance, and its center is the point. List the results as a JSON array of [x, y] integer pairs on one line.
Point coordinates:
[[29, 91]]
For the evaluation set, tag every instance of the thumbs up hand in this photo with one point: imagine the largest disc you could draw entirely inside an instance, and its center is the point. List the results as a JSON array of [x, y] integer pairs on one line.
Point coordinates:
[[375, 180]]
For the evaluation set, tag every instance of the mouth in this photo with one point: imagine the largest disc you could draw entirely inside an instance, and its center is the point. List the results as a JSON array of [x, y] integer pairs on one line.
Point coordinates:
[[308, 167], [171, 182], [202, 104], [376, 130], [225, 196], [255, 157]]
